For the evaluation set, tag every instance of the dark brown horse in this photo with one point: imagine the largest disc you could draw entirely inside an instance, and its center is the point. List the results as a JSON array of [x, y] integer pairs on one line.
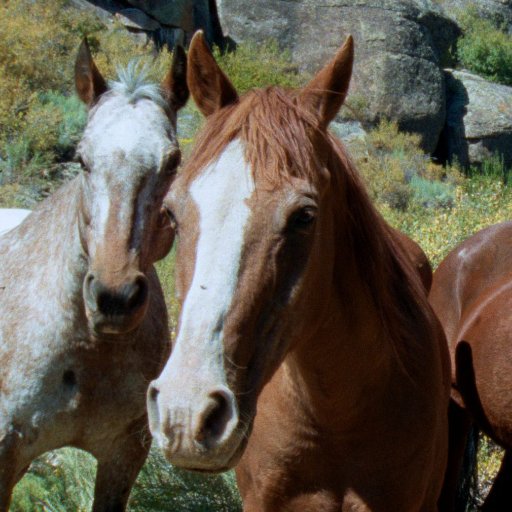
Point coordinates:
[[298, 302], [472, 296]]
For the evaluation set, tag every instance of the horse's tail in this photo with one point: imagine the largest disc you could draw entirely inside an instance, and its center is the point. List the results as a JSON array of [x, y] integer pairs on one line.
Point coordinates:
[[468, 479]]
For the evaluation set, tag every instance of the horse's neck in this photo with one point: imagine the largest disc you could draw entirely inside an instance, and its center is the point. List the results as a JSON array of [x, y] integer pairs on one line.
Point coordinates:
[[332, 369], [53, 237]]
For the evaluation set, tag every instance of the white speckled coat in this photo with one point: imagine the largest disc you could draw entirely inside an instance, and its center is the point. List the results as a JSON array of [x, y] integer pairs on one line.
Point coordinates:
[[83, 322]]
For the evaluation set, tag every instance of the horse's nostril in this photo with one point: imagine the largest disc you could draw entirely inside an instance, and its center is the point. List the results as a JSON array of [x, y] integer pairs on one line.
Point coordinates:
[[119, 302], [153, 393], [137, 293], [110, 304], [214, 418]]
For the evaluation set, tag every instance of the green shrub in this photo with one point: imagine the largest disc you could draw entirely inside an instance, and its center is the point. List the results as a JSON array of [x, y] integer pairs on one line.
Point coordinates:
[[485, 49], [432, 194], [398, 173], [63, 481], [72, 121], [259, 65]]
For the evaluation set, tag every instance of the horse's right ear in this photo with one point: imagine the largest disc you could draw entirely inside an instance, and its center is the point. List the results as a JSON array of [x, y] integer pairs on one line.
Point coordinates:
[[209, 86], [90, 85]]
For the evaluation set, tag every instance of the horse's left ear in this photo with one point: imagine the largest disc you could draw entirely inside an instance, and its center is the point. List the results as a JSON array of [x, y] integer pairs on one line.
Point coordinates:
[[174, 85], [326, 92], [90, 85]]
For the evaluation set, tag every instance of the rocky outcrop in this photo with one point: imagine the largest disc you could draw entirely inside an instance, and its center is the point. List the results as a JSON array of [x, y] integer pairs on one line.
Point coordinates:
[[479, 119], [165, 22], [397, 70]]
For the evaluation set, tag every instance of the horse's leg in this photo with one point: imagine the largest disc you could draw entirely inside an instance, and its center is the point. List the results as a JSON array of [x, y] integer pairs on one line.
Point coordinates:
[[459, 427], [9, 473], [119, 466], [500, 496]]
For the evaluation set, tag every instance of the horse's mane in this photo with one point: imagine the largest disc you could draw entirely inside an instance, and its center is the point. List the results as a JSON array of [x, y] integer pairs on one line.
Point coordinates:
[[281, 141], [133, 82]]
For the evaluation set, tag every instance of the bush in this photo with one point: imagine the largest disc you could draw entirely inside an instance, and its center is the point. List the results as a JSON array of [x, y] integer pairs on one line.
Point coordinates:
[[259, 65], [63, 481], [432, 194], [399, 173], [35, 53], [485, 49]]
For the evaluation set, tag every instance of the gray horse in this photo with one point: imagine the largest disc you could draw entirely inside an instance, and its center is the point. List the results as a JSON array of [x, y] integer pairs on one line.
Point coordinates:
[[83, 323]]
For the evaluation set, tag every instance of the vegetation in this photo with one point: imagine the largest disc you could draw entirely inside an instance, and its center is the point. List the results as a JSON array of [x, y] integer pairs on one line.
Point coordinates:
[[259, 65], [485, 47], [41, 121], [63, 481]]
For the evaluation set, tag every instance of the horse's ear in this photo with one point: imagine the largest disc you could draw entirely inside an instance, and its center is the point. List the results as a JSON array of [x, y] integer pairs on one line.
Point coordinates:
[[174, 85], [209, 86], [326, 92], [90, 85]]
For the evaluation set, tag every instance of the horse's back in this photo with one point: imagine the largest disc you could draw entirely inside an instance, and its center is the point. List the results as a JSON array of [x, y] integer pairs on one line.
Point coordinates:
[[472, 295], [473, 269], [11, 217]]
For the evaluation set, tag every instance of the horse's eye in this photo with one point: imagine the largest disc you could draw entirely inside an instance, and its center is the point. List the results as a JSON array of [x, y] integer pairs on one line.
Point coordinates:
[[172, 163], [303, 219], [170, 216]]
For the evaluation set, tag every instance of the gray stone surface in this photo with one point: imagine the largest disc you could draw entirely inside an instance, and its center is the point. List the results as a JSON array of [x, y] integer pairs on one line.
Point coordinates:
[[479, 119], [177, 13], [397, 73], [165, 21], [137, 19]]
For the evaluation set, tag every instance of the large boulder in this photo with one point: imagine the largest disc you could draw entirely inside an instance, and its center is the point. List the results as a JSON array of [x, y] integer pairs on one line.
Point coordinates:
[[479, 119], [399, 47], [166, 22], [176, 13]]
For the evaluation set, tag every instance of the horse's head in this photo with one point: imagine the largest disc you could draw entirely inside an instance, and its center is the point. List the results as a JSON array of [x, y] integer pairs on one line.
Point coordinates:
[[129, 154], [254, 222]]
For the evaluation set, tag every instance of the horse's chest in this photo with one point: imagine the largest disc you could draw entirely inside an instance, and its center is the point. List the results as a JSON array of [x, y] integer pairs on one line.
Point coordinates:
[[73, 395]]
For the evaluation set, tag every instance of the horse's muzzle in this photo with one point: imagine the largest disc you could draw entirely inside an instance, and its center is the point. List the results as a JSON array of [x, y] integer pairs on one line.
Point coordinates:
[[201, 434], [115, 309]]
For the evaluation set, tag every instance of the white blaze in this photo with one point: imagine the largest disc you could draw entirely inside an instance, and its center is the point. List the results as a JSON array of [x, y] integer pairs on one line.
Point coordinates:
[[220, 194]]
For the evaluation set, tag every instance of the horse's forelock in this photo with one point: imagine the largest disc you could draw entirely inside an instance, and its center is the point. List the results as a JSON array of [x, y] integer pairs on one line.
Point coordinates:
[[274, 130], [133, 83]]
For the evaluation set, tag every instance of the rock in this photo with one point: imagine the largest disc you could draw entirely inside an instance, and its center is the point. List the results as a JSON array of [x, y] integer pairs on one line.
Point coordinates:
[[175, 13], [443, 30], [479, 119], [396, 73], [166, 22], [103, 9], [138, 20], [349, 131]]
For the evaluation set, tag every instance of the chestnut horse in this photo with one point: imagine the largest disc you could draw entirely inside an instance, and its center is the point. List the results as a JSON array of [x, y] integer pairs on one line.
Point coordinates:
[[83, 323], [298, 301], [471, 294]]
